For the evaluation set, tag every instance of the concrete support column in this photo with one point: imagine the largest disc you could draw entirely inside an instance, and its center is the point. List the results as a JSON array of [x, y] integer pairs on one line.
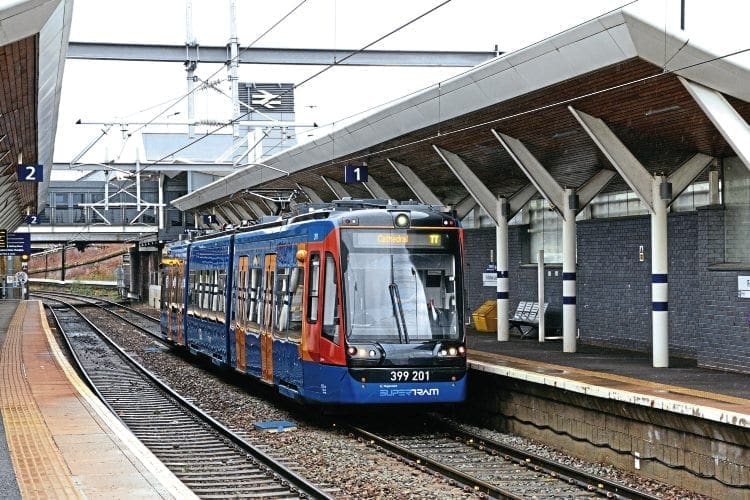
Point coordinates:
[[713, 187], [659, 275], [569, 270], [160, 212], [540, 294], [503, 301]]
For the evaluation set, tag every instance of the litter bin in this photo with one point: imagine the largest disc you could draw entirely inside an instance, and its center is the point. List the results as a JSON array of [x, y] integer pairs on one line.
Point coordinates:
[[485, 317]]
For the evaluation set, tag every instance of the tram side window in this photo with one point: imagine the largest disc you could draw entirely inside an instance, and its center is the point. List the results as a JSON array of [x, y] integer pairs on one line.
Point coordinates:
[[180, 288], [241, 291], [253, 310], [205, 294], [193, 290], [166, 291], [330, 302], [314, 294], [221, 296], [289, 286], [281, 312], [269, 311], [296, 290]]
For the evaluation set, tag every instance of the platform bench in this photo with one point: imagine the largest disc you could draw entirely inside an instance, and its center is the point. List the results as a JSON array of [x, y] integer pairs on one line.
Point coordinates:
[[526, 317]]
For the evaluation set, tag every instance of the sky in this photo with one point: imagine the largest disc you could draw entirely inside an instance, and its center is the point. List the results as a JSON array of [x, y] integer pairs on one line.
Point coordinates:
[[130, 92]]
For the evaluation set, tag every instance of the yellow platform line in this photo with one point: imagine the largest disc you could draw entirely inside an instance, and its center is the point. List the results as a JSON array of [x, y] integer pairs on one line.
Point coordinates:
[[40, 469]]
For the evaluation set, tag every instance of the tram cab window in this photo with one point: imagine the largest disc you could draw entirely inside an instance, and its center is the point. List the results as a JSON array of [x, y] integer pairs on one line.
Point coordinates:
[[330, 302]]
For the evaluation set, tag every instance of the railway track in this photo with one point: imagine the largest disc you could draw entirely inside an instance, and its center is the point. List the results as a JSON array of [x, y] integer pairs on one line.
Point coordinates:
[[485, 466], [211, 460], [129, 315], [441, 447]]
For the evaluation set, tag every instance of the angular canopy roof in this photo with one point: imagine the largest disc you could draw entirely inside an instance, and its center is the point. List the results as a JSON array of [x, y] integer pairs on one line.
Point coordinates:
[[33, 45], [619, 67]]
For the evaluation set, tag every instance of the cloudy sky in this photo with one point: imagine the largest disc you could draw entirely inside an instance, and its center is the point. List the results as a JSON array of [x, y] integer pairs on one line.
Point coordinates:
[[129, 92]]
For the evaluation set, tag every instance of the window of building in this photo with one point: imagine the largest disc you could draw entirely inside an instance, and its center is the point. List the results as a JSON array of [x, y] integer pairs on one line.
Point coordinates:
[[737, 214], [545, 233]]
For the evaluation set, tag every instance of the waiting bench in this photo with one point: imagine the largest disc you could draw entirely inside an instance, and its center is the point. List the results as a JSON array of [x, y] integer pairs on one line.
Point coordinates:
[[526, 317]]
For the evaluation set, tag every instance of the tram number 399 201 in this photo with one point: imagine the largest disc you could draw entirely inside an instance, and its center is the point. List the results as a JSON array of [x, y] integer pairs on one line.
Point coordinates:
[[409, 376]]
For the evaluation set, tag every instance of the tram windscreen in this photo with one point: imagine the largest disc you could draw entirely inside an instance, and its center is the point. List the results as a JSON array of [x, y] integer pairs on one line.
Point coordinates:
[[401, 287]]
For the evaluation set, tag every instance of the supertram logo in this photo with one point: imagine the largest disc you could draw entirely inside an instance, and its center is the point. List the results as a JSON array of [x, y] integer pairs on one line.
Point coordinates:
[[403, 393]]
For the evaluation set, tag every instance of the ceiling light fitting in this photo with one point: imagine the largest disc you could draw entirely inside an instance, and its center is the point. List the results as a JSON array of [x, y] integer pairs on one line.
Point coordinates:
[[567, 133], [652, 112]]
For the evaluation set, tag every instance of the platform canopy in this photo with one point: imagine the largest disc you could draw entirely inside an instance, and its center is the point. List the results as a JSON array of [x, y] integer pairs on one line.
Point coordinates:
[[33, 46], [621, 68]]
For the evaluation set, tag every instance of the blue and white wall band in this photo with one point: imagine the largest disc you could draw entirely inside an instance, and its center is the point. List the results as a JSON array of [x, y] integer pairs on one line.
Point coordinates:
[[660, 292]]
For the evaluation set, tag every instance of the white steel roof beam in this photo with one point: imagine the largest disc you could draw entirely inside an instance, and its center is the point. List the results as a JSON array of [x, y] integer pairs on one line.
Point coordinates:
[[234, 217], [465, 206], [311, 194], [535, 172], [726, 119], [543, 180], [688, 171], [635, 174], [221, 216], [470, 181], [417, 186], [338, 189], [593, 187], [255, 208], [520, 199], [240, 210], [373, 187]]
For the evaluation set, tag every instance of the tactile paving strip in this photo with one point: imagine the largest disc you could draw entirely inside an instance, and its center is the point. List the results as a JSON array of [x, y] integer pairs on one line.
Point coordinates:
[[40, 469]]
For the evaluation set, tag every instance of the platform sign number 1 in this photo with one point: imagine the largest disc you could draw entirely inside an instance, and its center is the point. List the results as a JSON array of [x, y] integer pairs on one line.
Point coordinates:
[[31, 173], [355, 173]]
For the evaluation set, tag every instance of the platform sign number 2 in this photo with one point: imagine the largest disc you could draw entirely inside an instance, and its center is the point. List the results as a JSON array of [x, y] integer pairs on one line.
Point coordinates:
[[355, 173], [30, 173]]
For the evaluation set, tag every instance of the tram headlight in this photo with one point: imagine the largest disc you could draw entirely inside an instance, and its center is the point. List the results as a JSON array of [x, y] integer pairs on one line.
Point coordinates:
[[451, 350], [364, 355], [401, 220]]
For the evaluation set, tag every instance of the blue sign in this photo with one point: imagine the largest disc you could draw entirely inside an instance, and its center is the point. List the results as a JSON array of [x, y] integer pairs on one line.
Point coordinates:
[[31, 219], [209, 219], [31, 173], [355, 173], [17, 244]]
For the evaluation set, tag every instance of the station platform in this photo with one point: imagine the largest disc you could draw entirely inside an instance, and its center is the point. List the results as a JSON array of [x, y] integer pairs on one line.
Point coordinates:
[[58, 440], [683, 388]]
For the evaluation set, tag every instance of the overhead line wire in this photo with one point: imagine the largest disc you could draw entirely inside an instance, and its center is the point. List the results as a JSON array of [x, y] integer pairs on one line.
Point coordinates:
[[329, 66], [205, 81], [536, 109]]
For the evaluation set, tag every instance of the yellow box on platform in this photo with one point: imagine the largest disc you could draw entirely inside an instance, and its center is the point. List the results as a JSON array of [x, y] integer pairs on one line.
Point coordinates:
[[485, 317]]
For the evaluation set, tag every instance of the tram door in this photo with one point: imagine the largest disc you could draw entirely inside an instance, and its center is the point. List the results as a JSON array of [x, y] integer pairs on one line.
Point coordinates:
[[168, 298], [266, 327], [173, 279], [241, 315], [180, 303]]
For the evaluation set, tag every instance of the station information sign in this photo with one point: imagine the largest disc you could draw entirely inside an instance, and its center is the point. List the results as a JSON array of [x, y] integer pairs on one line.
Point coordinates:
[[3, 238], [16, 244]]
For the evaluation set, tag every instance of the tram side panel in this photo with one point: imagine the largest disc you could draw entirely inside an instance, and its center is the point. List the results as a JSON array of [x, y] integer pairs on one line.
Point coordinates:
[[266, 327], [207, 296], [172, 314]]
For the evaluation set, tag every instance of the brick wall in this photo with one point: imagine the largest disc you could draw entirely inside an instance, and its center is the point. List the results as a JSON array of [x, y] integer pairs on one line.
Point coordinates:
[[707, 320]]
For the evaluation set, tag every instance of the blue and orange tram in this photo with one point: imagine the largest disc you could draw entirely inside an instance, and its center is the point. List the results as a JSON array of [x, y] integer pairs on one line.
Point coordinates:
[[352, 302]]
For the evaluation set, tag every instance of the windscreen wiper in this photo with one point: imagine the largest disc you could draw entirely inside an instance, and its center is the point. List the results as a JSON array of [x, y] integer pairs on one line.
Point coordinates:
[[398, 312]]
